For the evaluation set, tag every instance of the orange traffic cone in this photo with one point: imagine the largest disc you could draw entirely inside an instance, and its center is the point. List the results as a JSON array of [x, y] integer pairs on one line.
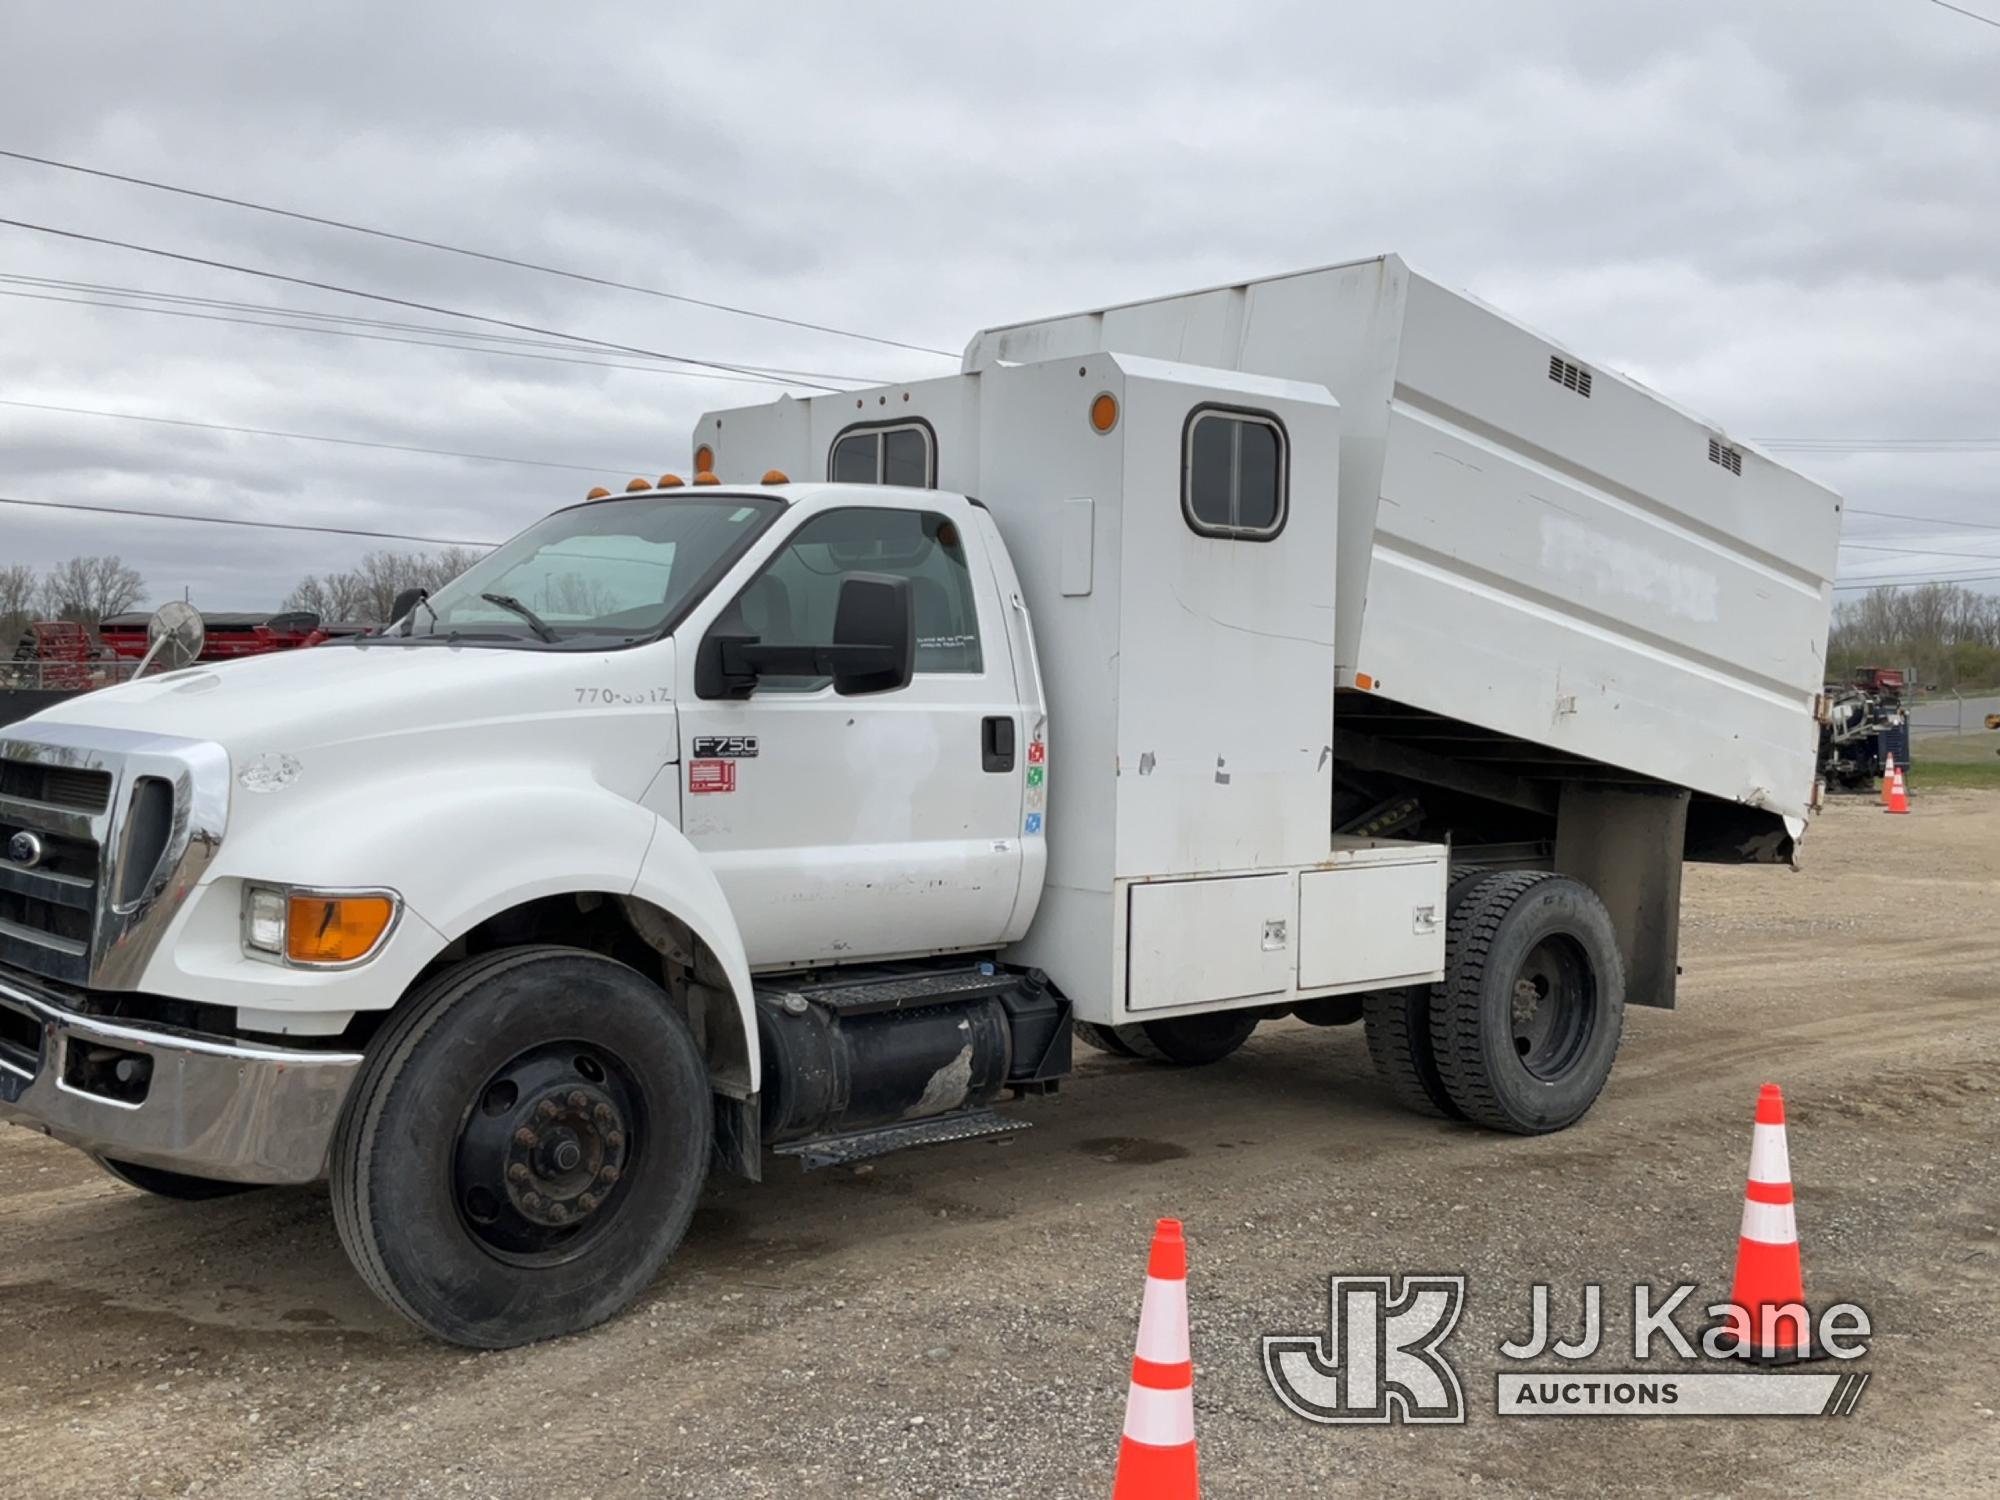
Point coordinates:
[[1899, 794], [1156, 1455], [1770, 1293], [1888, 770]]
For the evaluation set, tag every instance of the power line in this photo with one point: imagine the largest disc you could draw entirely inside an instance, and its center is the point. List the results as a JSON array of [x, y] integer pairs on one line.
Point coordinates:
[[385, 338], [314, 437], [502, 260], [346, 291], [1855, 510], [279, 309], [174, 515], [1917, 551], [1911, 583], [1970, 14], [1879, 445]]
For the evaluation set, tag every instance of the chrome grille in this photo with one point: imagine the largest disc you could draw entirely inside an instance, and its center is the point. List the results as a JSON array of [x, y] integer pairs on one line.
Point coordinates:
[[120, 826], [48, 909]]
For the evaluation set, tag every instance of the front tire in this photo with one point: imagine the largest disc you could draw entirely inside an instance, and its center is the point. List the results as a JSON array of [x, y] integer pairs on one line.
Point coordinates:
[[162, 1183], [524, 1147], [1527, 1022]]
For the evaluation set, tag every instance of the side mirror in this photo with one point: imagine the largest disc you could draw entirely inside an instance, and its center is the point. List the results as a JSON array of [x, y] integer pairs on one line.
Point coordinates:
[[874, 646], [406, 601]]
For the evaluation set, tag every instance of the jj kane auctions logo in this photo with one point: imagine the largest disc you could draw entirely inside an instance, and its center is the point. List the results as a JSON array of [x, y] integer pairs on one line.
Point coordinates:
[[1382, 1358]]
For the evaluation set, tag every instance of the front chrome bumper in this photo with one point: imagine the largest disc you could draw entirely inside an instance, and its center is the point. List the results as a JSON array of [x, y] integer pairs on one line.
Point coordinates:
[[201, 1105]]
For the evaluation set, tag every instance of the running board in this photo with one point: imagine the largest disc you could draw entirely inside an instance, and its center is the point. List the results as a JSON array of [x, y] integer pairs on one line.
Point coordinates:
[[859, 1145]]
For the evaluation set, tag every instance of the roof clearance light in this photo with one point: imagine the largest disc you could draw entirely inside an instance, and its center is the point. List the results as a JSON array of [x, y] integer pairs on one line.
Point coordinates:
[[668, 482], [1104, 412], [633, 487], [598, 492], [704, 460], [707, 478], [776, 476]]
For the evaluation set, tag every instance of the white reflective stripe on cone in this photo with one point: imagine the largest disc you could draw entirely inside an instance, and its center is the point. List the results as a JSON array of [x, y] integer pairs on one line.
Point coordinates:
[[1770, 1223], [1160, 1419], [1163, 1329], [1768, 1161]]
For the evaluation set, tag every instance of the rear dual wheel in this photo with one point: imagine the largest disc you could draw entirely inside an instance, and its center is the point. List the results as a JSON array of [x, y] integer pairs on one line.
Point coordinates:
[[1521, 1033], [1186, 1041], [524, 1147]]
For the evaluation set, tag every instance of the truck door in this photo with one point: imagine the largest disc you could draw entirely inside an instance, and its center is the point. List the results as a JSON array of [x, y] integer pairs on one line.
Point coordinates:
[[868, 825]]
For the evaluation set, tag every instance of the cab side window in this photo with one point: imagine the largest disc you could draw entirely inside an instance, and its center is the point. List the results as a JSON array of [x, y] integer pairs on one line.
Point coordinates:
[[792, 602], [898, 453]]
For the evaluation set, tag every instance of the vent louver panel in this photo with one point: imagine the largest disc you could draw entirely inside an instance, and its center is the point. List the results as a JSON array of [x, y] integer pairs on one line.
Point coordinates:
[[1730, 458], [1570, 377]]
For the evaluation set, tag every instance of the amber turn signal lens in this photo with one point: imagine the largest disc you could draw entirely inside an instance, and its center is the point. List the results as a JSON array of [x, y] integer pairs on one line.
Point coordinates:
[[775, 476], [598, 492], [632, 487], [704, 460], [1104, 412], [335, 929], [670, 482], [707, 478]]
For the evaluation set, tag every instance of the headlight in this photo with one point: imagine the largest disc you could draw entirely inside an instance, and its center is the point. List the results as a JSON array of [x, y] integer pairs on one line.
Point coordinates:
[[316, 929]]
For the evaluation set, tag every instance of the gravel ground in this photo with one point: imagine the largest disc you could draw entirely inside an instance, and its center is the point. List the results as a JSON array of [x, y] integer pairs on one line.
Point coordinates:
[[959, 1321]]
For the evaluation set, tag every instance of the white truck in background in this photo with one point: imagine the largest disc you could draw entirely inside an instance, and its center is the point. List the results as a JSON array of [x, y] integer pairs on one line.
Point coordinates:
[[1326, 646]]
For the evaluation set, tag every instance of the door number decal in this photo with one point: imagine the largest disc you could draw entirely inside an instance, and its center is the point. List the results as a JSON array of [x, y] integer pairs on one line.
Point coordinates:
[[726, 746], [711, 776]]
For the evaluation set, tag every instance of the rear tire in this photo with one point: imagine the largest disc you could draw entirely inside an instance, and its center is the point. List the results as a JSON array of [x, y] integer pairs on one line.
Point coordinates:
[[1527, 1022], [1103, 1038], [164, 1184], [1399, 1031], [1189, 1041], [523, 1148]]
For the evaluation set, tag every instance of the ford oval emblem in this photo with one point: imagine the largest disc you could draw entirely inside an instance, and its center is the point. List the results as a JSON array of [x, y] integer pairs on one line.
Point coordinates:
[[25, 850]]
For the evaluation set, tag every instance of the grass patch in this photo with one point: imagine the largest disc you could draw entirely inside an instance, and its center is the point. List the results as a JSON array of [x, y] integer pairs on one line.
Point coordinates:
[[1955, 760]]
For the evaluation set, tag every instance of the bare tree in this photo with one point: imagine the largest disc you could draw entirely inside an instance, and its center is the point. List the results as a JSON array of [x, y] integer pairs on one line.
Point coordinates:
[[90, 589], [1949, 635], [369, 591], [19, 588]]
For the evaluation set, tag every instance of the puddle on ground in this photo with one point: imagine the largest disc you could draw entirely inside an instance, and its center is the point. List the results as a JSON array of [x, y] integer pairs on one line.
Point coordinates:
[[1127, 1148]]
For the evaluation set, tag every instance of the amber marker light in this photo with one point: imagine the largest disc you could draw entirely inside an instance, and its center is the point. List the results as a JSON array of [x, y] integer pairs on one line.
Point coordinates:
[[1104, 412], [335, 929]]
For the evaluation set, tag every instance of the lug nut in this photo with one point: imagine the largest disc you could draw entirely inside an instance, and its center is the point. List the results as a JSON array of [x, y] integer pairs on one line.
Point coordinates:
[[558, 1213], [526, 1137], [546, 1109], [531, 1201], [587, 1202], [608, 1176], [578, 1099], [615, 1140], [602, 1114], [517, 1173]]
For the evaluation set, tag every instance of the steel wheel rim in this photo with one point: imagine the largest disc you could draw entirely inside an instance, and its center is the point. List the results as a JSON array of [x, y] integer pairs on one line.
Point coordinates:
[[1552, 1007], [542, 1163]]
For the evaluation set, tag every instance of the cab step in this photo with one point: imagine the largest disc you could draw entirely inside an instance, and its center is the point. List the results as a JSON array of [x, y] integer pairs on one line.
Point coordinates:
[[859, 1145]]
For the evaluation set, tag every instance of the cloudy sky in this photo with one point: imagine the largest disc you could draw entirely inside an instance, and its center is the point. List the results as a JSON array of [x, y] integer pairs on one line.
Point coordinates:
[[1784, 215]]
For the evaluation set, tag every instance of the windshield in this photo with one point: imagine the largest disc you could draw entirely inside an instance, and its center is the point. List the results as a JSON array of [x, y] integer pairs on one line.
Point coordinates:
[[611, 572]]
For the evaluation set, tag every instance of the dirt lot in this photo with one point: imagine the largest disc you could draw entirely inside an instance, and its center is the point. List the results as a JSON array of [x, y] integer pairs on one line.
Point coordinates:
[[959, 1321]]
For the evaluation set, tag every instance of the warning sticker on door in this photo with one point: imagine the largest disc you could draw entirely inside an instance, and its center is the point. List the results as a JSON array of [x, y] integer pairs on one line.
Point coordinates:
[[711, 776], [1037, 753]]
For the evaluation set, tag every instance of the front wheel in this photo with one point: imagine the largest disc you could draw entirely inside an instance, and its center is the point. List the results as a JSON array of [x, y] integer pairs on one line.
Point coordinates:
[[1527, 1022], [524, 1147]]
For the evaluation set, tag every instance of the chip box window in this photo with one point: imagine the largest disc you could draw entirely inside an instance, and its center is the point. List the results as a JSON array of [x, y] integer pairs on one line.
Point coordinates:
[[902, 453], [1235, 474]]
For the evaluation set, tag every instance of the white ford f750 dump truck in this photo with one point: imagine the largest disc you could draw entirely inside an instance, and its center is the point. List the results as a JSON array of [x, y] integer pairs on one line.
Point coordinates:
[[1326, 646]]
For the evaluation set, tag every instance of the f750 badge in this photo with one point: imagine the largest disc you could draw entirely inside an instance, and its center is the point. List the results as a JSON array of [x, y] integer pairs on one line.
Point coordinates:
[[726, 746]]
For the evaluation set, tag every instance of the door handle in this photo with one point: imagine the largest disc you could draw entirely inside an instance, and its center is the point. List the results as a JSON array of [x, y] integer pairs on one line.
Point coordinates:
[[996, 742]]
